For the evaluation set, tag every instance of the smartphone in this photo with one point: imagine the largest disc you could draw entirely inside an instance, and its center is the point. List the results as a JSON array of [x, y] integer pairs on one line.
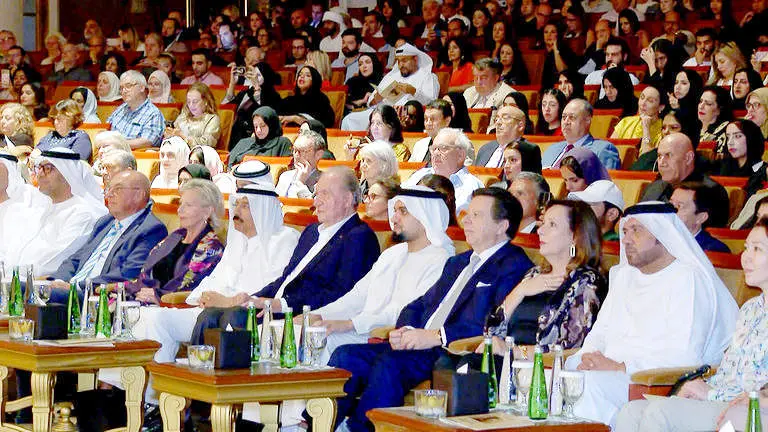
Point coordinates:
[[5, 78]]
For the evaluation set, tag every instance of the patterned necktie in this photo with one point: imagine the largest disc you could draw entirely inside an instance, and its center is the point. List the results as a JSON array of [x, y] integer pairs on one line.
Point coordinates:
[[103, 248], [567, 148], [437, 320]]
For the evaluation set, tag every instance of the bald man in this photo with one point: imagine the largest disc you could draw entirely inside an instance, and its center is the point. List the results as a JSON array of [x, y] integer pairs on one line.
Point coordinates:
[[677, 164], [510, 125], [120, 241]]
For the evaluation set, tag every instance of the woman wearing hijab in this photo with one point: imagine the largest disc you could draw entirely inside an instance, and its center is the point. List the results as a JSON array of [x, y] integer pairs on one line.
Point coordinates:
[[108, 87], [159, 88], [260, 92], [86, 100], [307, 100], [267, 139], [619, 92], [209, 157], [744, 81], [360, 86], [580, 167], [174, 154], [686, 92]]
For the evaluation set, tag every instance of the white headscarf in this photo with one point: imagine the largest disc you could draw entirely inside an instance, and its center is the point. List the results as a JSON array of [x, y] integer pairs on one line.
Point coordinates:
[[661, 220], [18, 190], [223, 180], [429, 208], [169, 179], [425, 61], [89, 109], [78, 175], [114, 87], [254, 171], [337, 18], [165, 82], [266, 212]]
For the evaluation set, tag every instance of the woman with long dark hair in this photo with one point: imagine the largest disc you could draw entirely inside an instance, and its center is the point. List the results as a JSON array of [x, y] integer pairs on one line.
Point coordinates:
[[686, 92], [745, 154], [551, 106], [513, 70], [714, 113], [460, 118]]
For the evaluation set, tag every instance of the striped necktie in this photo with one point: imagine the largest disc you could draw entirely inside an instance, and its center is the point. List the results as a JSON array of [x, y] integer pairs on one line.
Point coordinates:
[[98, 253]]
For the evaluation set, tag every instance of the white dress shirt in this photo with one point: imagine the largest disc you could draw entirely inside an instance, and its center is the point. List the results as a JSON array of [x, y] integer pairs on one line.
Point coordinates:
[[463, 182]]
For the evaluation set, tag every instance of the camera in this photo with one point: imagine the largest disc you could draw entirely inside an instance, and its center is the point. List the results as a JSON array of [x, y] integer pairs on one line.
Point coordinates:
[[240, 70]]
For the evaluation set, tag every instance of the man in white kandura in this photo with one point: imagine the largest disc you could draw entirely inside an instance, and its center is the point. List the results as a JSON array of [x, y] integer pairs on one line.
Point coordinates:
[[410, 79], [258, 249], [78, 203], [404, 272], [666, 308]]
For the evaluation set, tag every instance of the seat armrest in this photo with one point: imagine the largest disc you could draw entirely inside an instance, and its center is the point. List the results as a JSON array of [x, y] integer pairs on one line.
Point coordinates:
[[465, 345], [175, 298], [381, 332], [664, 376]]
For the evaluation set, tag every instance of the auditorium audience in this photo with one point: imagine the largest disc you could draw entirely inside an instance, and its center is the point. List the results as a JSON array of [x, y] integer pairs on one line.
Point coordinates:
[[159, 88], [619, 92], [551, 105], [377, 197], [174, 154], [108, 87], [694, 204], [16, 126], [460, 62], [687, 92], [260, 92], [744, 81], [714, 114], [32, 97], [646, 125], [377, 162], [728, 59], [757, 109], [359, 86], [607, 202], [510, 126], [307, 101], [86, 100], [137, 118], [300, 180], [530, 189], [488, 89], [745, 155], [459, 113], [513, 70], [209, 157]]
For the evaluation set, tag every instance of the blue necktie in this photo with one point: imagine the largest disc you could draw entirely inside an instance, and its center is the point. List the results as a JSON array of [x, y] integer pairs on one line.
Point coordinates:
[[97, 254]]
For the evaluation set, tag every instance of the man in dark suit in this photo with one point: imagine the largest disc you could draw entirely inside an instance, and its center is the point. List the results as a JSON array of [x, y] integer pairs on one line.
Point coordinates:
[[329, 259], [120, 241], [510, 125], [472, 284], [694, 204]]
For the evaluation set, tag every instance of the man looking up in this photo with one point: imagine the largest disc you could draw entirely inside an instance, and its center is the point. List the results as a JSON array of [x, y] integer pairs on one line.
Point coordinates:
[[137, 119], [667, 307], [455, 307], [676, 164], [694, 203], [299, 182], [201, 62], [607, 202], [437, 116]]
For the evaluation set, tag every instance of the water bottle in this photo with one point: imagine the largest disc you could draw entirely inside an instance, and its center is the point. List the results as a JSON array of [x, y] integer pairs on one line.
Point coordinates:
[[304, 350], [117, 318], [267, 343], [488, 366], [506, 383], [754, 424], [537, 399], [16, 305], [253, 326], [84, 311], [73, 309], [555, 395], [288, 347], [103, 321], [31, 295]]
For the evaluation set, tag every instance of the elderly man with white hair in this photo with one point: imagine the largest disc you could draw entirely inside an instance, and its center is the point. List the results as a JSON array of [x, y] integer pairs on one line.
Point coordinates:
[[450, 153], [140, 121], [410, 79], [667, 307], [77, 202]]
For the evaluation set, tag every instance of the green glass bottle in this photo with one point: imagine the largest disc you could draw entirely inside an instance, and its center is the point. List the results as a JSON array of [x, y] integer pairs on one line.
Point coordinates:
[[288, 347], [253, 326], [754, 424], [538, 402], [488, 366], [16, 306], [73, 310], [103, 320]]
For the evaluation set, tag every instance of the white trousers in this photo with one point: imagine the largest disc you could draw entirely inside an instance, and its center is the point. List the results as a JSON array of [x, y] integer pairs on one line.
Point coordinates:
[[605, 392], [672, 414]]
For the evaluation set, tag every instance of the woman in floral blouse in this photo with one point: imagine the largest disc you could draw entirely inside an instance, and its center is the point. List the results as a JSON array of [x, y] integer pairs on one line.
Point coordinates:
[[189, 254], [701, 404], [557, 302]]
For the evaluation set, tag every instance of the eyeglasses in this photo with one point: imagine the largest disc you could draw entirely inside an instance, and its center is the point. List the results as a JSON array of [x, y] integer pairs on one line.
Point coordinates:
[[115, 190], [753, 106], [442, 149], [370, 197], [507, 118], [45, 168], [127, 86]]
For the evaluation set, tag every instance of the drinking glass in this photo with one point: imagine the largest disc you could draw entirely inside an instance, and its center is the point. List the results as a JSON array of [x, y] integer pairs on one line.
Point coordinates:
[[20, 328], [572, 387], [277, 339], [523, 375], [201, 356], [131, 315], [430, 403], [43, 290], [317, 338]]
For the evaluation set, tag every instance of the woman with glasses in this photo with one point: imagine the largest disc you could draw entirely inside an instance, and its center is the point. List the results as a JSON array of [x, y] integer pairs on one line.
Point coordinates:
[[67, 116], [174, 154], [757, 109], [377, 196]]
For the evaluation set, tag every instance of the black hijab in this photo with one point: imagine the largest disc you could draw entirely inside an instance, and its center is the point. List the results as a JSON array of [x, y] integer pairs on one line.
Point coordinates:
[[314, 102]]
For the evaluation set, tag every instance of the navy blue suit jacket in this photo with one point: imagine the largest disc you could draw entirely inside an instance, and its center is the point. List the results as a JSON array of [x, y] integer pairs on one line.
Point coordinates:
[[484, 291], [343, 261], [126, 257]]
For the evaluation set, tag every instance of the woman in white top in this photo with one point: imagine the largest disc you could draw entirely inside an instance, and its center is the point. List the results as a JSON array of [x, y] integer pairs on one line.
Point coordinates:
[[174, 154], [728, 59], [86, 100]]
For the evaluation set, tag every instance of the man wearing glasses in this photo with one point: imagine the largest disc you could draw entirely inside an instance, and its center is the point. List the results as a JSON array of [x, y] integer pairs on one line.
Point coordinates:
[[137, 119], [76, 202], [510, 125]]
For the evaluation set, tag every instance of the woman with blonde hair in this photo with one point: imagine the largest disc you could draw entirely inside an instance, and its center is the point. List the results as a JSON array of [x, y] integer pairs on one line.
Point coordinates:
[[159, 88], [728, 58], [54, 41], [67, 117], [320, 61], [16, 124], [757, 109], [198, 123], [129, 38]]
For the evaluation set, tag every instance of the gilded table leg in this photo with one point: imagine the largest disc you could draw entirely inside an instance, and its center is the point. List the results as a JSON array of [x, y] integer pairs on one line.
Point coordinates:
[[3, 392], [323, 412], [170, 410], [42, 398], [222, 418], [134, 381]]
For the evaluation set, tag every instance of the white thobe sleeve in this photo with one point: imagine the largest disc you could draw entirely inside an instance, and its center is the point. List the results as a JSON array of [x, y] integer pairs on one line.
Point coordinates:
[[428, 89], [351, 303], [54, 244]]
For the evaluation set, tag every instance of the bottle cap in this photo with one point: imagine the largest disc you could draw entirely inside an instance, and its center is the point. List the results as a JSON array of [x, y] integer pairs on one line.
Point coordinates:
[[251, 304], [537, 349], [509, 340], [753, 395], [487, 340], [288, 310], [267, 303], [306, 308], [558, 348]]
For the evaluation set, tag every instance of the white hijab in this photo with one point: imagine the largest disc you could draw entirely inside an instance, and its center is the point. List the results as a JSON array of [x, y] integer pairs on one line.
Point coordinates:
[[114, 87], [169, 179], [429, 208], [165, 82], [78, 175], [223, 180], [89, 109]]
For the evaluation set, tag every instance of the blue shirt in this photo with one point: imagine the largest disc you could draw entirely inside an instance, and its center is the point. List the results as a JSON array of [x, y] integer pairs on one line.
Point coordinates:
[[76, 140], [145, 122], [605, 151]]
